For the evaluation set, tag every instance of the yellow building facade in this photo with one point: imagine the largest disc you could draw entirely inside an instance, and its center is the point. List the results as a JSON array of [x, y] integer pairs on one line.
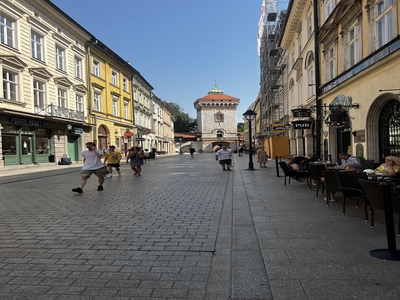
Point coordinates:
[[110, 98]]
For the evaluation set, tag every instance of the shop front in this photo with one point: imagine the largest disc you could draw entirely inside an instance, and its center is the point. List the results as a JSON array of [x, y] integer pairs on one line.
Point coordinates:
[[25, 141], [29, 140]]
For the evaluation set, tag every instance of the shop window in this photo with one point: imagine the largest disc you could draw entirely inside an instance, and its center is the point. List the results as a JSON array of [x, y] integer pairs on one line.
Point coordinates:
[[9, 145], [42, 145]]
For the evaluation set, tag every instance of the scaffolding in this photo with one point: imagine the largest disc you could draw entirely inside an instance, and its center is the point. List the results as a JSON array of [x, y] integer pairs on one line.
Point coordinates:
[[273, 76]]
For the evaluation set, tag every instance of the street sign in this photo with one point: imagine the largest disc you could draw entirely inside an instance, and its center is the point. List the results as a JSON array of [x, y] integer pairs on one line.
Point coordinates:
[[140, 139]]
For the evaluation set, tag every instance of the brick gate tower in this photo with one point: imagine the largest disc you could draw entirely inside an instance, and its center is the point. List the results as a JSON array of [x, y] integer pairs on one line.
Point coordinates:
[[216, 120]]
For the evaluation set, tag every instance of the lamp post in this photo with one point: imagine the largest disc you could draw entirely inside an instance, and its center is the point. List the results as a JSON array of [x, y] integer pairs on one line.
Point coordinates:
[[180, 145], [250, 116]]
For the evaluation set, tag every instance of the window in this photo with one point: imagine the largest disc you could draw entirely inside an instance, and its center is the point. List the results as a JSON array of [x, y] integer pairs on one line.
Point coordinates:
[[126, 116], [220, 134], [97, 101], [299, 93], [384, 22], [9, 85], [96, 68], [79, 103], [62, 98], [309, 26], [311, 85], [125, 84], [329, 7], [354, 45], [115, 106], [331, 64], [60, 58], [39, 96], [6, 31], [37, 45], [78, 67], [114, 78]]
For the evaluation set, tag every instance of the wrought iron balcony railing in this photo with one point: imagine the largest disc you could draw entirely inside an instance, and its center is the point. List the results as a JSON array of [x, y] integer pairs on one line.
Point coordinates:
[[61, 112]]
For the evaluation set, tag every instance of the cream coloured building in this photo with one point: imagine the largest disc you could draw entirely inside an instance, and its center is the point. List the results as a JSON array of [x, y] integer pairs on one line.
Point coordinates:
[[358, 52], [43, 112], [216, 120]]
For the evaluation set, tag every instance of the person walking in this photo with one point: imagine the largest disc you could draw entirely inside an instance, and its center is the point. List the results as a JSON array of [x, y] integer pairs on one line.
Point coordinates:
[[135, 158], [192, 151], [224, 155], [91, 165], [113, 159], [262, 157]]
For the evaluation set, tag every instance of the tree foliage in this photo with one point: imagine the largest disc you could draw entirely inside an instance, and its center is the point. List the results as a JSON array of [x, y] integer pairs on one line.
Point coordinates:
[[183, 123]]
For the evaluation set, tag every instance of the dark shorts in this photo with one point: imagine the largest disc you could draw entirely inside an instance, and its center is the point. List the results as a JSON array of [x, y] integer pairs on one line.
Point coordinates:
[[225, 161], [113, 165]]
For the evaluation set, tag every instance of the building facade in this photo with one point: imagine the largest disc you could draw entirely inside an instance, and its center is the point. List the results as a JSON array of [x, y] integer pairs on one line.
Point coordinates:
[[43, 112], [216, 120], [110, 92], [341, 78]]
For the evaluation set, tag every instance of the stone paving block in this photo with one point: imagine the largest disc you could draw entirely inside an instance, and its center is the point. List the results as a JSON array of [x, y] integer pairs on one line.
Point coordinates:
[[67, 290], [170, 293], [135, 292]]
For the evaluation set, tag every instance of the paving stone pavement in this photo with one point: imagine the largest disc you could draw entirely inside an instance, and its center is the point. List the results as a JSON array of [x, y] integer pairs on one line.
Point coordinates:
[[184, 230]]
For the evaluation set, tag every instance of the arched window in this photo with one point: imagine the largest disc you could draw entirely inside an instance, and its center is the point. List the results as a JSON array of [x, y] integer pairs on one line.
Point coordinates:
[[389, 130]]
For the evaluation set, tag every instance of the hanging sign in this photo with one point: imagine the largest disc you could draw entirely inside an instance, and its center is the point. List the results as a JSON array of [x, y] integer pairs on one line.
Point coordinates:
[[301, 112], [278, 127], [128, 133], [302, 124]]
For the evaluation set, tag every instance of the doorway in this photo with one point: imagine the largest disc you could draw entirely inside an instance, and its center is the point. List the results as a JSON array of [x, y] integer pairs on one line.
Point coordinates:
[[73, 146]]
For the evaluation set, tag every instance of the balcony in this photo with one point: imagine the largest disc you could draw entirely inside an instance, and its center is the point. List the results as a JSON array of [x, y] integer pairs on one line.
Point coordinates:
[[60, 112]]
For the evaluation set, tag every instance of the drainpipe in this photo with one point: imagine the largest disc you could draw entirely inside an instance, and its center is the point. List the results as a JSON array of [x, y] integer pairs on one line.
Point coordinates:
[[318, 122], [90, 94]]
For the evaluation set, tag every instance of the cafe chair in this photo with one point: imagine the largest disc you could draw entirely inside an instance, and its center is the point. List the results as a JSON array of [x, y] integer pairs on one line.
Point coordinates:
[[374, 192], [315, 173], [331, 184], [367, 163], [292, 173], [351, 189]]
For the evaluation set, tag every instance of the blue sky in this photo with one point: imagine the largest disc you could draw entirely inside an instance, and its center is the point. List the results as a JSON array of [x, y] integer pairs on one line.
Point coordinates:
[[180, 46]]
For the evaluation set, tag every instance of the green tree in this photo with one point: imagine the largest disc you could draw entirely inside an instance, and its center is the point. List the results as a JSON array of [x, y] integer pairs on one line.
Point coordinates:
[[183, 123]]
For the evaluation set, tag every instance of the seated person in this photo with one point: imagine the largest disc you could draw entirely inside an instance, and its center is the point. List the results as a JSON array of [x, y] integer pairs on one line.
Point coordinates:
[[348, 159], [391, 165], [353, 166], [297, 163]]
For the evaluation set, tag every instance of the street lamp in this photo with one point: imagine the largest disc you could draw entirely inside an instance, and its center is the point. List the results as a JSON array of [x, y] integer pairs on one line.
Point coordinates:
[[250, 116]]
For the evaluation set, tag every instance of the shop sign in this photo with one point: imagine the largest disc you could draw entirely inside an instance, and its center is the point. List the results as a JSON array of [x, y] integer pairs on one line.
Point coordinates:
[[302, 124], [28, 122], [128, 133], [301, 113], [278, 127], [78, 131]]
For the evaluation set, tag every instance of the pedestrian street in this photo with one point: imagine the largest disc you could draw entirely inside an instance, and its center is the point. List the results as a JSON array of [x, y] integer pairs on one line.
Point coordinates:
[[184, 230]]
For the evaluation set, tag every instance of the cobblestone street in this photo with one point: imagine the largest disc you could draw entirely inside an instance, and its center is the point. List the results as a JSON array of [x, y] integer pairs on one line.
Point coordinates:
[[184, 230]]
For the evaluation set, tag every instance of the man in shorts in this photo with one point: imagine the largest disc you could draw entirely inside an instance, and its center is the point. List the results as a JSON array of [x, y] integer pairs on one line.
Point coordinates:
[[91, 165], [113, 158], [224, 155]]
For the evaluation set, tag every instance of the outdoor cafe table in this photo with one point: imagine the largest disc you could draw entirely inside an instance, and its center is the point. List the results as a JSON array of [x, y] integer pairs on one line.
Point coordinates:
[[382, 176]]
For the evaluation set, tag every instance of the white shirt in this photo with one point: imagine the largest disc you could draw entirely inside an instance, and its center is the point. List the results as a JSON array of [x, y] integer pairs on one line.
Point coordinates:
[[92, 162], [224, 154]]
